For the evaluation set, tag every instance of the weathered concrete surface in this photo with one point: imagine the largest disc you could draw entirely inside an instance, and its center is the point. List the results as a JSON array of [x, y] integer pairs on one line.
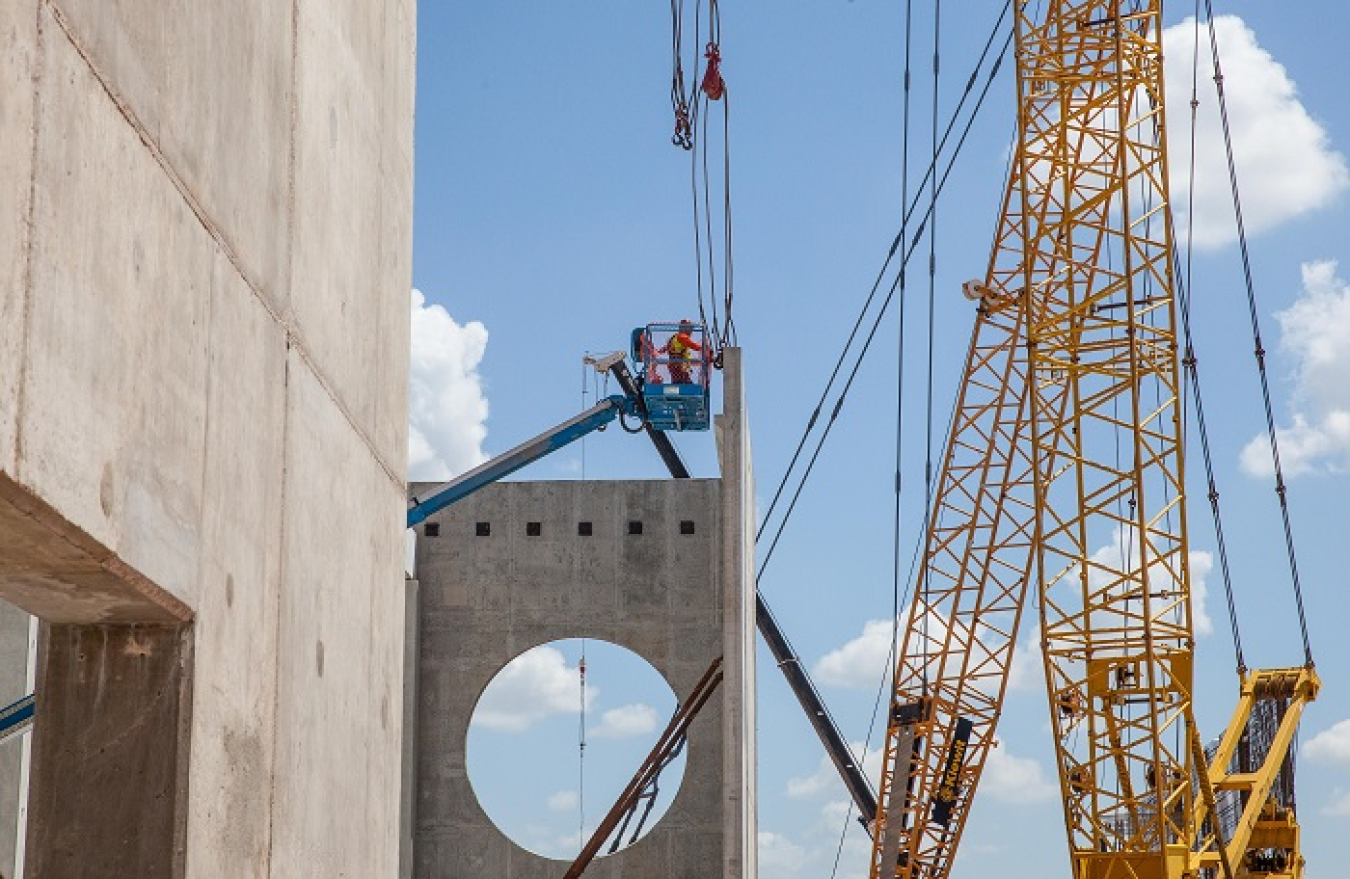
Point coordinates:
[[233, 725], [739, 806], [485, 600], [340, 674], [408, 807], [13, 686], [112, 752], [18, 54], [679, 594], [180, 429]]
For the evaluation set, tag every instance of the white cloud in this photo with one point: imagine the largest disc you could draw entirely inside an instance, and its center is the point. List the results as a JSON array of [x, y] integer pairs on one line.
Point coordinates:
[[1339, 807], [636, 719], [447, 410], [535, 685], [1028, 668], [1114, 555], [1017, 780], [563, 801], [826, 780], [1315, 335], [860, 663], [1285, 162], [780, 856], [1331, 745]]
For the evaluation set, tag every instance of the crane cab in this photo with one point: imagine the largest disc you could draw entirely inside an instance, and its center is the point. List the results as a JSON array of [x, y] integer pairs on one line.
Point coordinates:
[[674, 364]]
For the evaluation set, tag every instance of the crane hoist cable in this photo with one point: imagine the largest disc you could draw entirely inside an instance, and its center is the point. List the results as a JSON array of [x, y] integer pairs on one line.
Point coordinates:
[[907, 254], [1281, 488], [901, 236], [706, 85], [581, 748], [932, 287], [1190, 362]]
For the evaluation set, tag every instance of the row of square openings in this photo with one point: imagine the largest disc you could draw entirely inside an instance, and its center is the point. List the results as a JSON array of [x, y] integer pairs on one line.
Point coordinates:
[[536, 529]]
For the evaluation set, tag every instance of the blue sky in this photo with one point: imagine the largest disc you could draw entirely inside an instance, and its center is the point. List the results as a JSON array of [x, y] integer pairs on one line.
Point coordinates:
[[553, 215]]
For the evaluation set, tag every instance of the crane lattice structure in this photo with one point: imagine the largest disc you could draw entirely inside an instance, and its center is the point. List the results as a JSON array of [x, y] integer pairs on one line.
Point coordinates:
[[1065, 468]]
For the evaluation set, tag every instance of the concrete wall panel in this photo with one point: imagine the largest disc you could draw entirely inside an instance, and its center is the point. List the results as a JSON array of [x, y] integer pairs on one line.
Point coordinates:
[[211, 85], [178, 440], [234, 717], [18, 67], [338, 722], [485, 600], [346, 311], [113, 428]]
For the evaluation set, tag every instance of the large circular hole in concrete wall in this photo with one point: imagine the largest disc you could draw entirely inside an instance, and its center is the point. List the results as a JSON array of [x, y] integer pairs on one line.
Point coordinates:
[[525, 760]]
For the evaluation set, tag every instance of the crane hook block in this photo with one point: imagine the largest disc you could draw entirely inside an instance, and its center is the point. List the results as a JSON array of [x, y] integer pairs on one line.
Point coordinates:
[[675, 360]]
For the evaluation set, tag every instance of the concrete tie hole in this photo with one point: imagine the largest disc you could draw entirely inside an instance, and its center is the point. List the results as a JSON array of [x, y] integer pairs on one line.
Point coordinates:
[[524, 759]]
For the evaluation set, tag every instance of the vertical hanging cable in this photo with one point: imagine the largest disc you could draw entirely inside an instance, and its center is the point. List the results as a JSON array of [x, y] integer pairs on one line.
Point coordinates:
[[1190, 362], [1280, 488], [581, 753], [932, 301], [706, 84], [585, 378], [900, 332]]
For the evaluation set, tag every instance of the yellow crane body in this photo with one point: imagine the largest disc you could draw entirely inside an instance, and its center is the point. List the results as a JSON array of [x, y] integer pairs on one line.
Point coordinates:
[[1065, 467]]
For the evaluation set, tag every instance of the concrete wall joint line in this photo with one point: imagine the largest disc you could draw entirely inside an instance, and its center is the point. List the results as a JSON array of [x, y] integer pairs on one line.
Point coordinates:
[[276, 625], [294, 338]]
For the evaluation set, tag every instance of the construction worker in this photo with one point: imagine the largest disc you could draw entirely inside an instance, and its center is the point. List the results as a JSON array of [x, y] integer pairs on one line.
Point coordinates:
[[680, 348]]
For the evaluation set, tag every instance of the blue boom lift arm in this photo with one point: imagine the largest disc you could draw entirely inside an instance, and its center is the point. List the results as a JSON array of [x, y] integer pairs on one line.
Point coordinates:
[[598, 417], [593, 419]]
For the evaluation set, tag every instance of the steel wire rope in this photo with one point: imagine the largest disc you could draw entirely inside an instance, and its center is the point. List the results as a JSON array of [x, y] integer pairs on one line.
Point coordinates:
[[888, 667], [694, 179], [895, 246], [581, 752], [887, 678], [866, 346], [900, 333], [722, 326], [1281, 489], [932, 303], [1190, 362]]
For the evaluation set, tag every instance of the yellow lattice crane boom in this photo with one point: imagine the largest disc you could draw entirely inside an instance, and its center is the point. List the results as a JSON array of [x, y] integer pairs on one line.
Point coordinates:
[[1065, 469]]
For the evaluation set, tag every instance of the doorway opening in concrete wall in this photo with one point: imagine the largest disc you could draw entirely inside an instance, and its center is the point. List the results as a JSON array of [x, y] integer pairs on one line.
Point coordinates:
[[557, 735]]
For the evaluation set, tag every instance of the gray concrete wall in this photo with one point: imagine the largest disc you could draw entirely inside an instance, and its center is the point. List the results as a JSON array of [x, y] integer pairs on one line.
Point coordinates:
[[205, 254], [677, 599], [485, 600], [14, 627], [740, 806]]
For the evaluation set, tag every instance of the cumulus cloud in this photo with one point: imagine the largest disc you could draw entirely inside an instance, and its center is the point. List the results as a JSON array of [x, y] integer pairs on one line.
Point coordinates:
[[1028, 668], [780, 856], [1331, 745], [1012, 779], [825, 779], [976, 654], [1315, 335], [1339, 807], [1285, 162], [627, 720], [1120, 551], [563, 801], [860, 663], [447, 410], [535, 685]]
